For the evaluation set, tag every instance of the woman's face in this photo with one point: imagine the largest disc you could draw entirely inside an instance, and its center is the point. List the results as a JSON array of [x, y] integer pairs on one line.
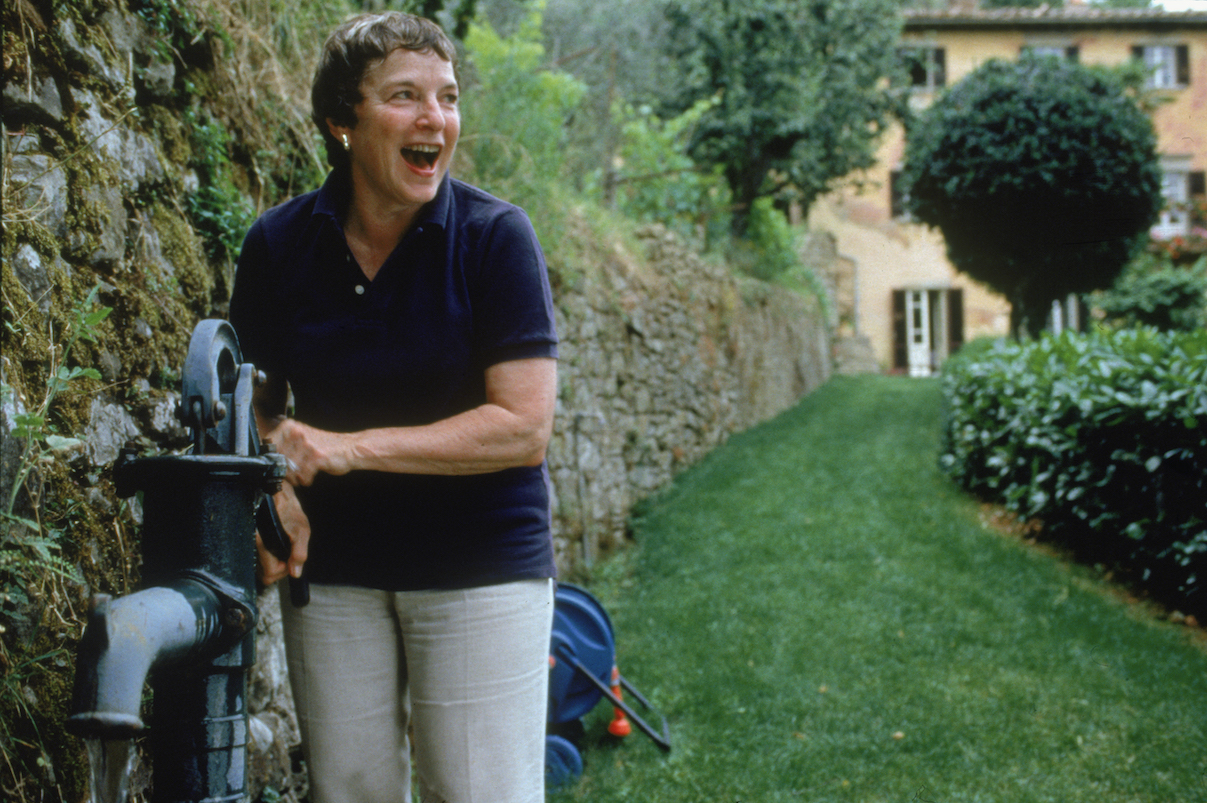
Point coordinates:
[[406, 131]]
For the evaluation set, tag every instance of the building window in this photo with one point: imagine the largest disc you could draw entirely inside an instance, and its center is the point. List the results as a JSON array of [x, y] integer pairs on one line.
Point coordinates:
[[1179, 185], [1067, 52], [1167, 66], [926, 67]]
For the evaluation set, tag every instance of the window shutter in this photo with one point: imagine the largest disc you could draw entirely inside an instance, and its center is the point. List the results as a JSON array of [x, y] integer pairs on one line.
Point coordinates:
[[955, 320], [1072, 53], [1083, 313], [1183, 61], [1196, 183], [940, 55], [900, 355], [1138, 52]]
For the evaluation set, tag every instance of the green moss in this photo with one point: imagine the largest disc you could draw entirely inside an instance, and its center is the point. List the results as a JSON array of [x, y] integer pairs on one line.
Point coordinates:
[[154, 310], [20, 232], [86, 541], [182, 248], [166, 126]]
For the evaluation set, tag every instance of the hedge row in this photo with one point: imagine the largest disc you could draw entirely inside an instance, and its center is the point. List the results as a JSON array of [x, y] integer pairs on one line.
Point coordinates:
[[1102, 437]]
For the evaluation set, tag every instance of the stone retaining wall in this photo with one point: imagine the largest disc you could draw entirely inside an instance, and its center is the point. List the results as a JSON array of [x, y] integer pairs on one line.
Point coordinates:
[[662, 359]]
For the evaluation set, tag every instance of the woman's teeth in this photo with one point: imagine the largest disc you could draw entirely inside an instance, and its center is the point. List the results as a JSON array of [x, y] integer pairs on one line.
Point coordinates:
[[421, 155]]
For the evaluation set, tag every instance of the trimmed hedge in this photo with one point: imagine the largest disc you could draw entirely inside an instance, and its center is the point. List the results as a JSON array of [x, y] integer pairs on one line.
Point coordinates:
[[1102, 437]]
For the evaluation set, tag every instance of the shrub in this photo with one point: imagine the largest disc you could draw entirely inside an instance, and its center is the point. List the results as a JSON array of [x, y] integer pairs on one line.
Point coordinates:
[[1152, 292], [769, 249], [513, 131], [1103, 437], [514, 111]]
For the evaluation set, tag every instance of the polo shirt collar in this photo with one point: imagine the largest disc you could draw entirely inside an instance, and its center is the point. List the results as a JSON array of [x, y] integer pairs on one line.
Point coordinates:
[[334, 196]]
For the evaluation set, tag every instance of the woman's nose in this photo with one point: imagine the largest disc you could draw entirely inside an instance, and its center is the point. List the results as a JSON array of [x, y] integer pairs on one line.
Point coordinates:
[[431, 115]]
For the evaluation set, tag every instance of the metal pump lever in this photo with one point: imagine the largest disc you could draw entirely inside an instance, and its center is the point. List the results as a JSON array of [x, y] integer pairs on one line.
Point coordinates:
[[272, 533], [216, 404]]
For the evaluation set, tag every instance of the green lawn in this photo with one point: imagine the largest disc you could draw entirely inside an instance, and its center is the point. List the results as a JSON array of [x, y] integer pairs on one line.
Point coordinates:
[[823, 617]]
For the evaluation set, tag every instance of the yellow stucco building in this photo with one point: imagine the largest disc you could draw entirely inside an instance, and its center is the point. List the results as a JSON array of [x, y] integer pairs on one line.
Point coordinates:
[[896, 289]]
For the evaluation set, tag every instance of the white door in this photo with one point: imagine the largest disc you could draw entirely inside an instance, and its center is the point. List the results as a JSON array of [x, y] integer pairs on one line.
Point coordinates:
[[917, 332], [1175, 218]]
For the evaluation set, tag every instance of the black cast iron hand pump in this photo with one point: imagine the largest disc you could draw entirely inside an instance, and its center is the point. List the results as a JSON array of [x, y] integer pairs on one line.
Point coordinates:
[[192, 627]]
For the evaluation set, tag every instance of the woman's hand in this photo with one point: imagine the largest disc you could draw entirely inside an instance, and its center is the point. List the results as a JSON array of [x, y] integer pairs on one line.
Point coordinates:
[[309, 451], [297, 529]]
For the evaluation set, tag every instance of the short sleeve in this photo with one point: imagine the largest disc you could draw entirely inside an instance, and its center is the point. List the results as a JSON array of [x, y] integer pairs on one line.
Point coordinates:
[[513, 302]]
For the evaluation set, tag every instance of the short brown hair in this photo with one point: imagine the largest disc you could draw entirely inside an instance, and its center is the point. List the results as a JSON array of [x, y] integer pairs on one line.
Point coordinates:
[[350, 50]]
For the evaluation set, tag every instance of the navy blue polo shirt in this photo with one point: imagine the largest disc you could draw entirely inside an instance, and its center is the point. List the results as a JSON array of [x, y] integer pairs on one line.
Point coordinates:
[[465, 289]]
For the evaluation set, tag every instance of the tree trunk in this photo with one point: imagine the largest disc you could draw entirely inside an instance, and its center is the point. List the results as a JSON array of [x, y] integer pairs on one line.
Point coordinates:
[[745, 184], [1028, 313]]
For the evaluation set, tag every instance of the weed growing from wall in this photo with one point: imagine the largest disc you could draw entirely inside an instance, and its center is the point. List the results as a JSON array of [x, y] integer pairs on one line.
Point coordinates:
[[220, 212]]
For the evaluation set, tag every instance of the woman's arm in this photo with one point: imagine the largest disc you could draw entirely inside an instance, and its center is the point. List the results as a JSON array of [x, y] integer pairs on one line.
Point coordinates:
[[511, 429]]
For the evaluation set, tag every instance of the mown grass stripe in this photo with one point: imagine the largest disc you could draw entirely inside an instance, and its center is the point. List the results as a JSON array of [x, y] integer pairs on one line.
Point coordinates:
[[824, 617]]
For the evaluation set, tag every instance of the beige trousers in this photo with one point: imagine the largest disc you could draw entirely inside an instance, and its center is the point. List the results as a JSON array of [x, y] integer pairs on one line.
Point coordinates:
[[467, 671]]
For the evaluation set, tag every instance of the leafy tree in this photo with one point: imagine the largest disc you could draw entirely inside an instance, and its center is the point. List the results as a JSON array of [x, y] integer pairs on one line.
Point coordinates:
[[456, 15], [800, 88], [618, 50], [513, 110], [654, 180], [1042, 175]]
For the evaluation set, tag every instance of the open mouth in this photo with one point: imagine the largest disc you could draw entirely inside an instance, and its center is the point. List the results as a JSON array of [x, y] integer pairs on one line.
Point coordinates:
[[422, 156]]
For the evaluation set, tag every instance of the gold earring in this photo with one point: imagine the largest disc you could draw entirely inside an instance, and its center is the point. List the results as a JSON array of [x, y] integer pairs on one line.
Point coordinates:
[[347, 147]]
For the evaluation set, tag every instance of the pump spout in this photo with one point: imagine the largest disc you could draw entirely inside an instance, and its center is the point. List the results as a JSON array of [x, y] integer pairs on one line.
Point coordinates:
[[194, 635], [129, 637]]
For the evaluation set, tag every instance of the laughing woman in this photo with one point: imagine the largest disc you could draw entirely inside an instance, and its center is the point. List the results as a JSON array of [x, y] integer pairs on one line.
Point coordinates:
[[408, 314]]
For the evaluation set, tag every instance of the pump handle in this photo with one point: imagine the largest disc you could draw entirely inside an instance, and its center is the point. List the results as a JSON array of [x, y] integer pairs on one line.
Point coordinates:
[[217, 399], [272, 533]]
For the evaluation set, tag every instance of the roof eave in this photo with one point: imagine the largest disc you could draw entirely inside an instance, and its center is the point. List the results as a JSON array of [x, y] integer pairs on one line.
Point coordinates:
[[1028, 18]]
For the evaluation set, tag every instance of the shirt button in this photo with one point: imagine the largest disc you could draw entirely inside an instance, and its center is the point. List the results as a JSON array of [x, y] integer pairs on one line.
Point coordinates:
[[360, 289]]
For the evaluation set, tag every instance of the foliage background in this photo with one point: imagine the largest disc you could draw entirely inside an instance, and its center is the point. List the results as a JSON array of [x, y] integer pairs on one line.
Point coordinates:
[[799, 88]]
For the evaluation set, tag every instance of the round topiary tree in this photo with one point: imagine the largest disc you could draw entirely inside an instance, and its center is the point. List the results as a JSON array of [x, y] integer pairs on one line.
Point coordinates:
[[1042, 175]]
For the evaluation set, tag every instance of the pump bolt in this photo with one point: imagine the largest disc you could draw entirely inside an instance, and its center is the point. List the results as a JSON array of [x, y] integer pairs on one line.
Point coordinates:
[[236, 618], [219, 411]]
